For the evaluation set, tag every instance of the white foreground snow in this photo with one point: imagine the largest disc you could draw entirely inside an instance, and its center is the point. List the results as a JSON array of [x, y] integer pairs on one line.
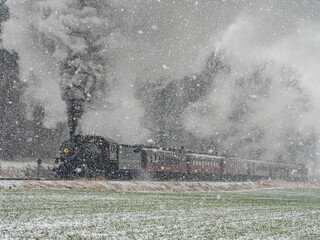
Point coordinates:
[[152, 186]]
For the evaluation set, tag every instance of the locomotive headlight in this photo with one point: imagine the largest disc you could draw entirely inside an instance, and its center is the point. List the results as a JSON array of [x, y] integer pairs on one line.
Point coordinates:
[[66, 150]]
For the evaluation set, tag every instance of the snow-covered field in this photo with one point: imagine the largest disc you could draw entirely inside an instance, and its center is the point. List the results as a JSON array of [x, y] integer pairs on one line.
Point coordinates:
[[21, 164], [101, 209], [153, 186], [64, 214], [25, 168]]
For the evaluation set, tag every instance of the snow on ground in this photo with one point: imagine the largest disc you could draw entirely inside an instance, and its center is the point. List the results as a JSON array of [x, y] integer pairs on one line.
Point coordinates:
[[26, 168], [152, 186], [63, 214], [25, 163]]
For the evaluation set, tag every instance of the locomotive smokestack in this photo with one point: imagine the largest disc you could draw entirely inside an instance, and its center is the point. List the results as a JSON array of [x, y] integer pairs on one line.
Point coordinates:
[[75, 111]]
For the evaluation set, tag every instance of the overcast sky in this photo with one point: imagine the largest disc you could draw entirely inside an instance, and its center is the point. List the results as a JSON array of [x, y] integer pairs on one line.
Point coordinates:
[[174, 38], [181, 34]]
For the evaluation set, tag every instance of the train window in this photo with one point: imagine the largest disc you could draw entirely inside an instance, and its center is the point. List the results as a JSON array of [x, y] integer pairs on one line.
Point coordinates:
[[161, 158], [166, 159], [113, 148]]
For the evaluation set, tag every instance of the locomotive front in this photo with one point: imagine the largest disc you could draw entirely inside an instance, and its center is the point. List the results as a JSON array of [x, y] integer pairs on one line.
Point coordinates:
[[83, 156]]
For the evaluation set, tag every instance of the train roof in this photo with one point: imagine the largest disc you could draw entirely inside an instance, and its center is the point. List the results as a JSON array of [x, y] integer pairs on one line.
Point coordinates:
[[204, 155], [266, 162], [160, 150]]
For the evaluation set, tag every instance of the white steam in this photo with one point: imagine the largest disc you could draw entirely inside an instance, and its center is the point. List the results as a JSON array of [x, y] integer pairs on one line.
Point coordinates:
[[37, 68], [171, 39], [68, 50], [288, 53]]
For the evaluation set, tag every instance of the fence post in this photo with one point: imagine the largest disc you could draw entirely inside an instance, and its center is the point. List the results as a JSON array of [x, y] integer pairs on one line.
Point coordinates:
[[38, 168]]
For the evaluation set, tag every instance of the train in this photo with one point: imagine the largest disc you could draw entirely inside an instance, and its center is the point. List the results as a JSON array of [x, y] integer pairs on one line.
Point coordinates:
[[90, 156]]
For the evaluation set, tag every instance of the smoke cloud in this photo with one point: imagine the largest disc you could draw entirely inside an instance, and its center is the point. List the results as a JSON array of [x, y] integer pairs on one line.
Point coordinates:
[[68, 47], [99, 52]]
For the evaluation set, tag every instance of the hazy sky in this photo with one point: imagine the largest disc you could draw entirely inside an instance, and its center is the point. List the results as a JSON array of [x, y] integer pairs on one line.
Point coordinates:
[[174, 38], [181, 34]]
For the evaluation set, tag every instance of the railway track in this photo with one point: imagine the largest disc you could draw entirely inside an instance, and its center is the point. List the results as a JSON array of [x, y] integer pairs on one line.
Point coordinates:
[[37, 179]]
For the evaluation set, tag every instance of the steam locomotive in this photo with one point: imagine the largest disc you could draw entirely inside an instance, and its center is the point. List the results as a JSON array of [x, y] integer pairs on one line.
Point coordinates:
[[94, 156]]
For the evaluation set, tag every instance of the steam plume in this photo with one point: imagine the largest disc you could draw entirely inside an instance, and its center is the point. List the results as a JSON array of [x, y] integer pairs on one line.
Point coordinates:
[[69, 44], [171, 40]]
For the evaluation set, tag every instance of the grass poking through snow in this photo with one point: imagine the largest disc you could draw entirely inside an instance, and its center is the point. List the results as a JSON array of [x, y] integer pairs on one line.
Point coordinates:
[[57, 214]]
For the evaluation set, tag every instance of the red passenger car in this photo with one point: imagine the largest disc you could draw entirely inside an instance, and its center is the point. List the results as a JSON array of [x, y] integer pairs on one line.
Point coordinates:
[[163, 161], [205, 164]]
